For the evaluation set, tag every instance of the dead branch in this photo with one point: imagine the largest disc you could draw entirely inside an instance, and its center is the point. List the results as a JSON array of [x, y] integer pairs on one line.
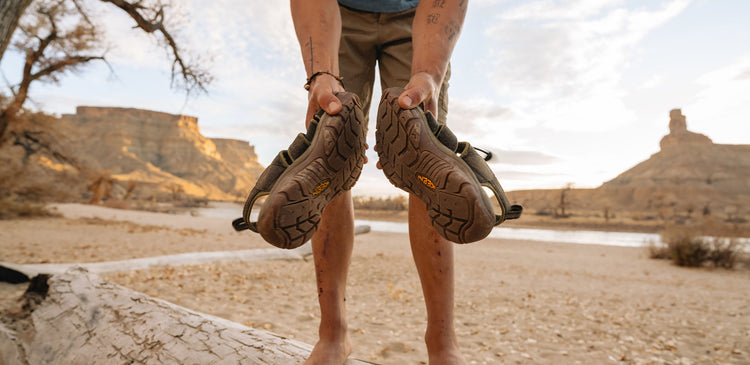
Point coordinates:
[[192, 75]]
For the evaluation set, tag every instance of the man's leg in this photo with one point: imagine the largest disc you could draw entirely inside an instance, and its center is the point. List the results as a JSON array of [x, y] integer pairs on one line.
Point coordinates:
[[332, 249], [433, 256], [334, 239]]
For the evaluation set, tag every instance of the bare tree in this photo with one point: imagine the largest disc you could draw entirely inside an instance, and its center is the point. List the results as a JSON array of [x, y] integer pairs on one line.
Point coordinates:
[[52, 48], [101, 187], [129, 190], [177, 190], [560, 211], [58, 36], [149, 17]]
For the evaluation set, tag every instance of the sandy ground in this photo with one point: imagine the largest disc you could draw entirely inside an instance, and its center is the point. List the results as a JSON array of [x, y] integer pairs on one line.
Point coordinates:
[[519, 302]]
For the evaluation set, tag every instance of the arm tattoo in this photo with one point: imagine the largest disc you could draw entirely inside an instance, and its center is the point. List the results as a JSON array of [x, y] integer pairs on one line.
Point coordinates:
[[438, 4], [311, 56], [451, 30], [433, 18]]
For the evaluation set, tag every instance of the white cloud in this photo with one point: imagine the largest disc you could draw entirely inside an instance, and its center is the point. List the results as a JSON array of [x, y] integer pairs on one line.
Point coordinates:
[[651, 82], [558, 10], [561, 61], [720, 109]]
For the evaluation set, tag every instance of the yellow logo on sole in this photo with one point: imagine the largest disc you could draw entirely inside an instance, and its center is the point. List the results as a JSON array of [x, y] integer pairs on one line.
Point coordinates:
[[426, 181], [321, 187]]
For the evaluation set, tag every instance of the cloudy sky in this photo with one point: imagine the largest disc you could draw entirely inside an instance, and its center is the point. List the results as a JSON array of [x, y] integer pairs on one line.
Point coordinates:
[[572, 91]]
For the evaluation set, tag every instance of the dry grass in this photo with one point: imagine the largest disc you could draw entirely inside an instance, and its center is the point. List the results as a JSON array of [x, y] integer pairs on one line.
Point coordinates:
[[12, 209], [699, 246]]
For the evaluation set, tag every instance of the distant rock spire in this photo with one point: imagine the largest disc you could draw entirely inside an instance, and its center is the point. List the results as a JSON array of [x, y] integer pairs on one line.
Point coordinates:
[[679, 135], [677, 122]]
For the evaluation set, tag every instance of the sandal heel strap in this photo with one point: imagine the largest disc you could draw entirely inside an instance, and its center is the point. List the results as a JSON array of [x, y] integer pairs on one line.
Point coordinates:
[[487, 178], [240, 224], [514, 212]]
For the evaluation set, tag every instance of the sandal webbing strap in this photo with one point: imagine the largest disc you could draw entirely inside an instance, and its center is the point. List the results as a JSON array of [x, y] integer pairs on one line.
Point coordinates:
[[298, 146], [442, 132], [272, 173]]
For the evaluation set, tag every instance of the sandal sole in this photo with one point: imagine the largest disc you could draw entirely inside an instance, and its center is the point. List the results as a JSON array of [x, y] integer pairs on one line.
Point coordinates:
[[331, 164], [415, 161]]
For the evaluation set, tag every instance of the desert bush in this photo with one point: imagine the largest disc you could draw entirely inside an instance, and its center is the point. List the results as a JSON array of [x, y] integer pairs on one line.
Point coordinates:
[[688, 250], [117, 204], [725, 252], [693, 247], [658, 251], [10, 209]]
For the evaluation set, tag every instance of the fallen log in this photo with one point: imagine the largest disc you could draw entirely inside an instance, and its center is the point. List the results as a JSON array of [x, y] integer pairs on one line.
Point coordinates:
[[78, 318]]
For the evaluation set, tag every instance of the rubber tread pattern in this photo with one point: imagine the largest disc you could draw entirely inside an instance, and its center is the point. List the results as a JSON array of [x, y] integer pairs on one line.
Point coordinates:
[[332, 164], [408, 153]]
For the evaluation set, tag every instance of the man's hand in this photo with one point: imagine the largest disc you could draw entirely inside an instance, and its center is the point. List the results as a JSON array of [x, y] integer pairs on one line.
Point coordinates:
[[322, 94], [421, 89]]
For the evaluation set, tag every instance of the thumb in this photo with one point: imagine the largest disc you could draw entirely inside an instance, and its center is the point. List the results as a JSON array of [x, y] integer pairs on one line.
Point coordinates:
[[330, 103], [412, 97]]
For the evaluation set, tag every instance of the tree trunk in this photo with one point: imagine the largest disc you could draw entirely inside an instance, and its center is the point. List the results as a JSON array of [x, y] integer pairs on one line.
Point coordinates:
[[18, 100], [78, 318], [10, 13], [8, 114]]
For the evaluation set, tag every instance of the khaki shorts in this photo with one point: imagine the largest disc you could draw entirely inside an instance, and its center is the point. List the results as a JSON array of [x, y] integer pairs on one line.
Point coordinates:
[[382, 38]]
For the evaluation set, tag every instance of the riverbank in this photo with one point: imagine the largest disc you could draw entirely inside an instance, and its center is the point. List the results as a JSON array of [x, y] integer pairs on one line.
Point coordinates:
[[516, 301]]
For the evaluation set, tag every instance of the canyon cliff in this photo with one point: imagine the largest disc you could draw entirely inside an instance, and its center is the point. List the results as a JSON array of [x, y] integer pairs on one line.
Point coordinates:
[[167, 152], [155, 155]]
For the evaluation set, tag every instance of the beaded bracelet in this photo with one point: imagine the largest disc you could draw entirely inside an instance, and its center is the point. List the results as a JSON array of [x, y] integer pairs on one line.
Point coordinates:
[[313, 76]]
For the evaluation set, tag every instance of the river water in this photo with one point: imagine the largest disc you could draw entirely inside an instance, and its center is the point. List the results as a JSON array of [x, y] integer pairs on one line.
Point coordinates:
[[231, 211]]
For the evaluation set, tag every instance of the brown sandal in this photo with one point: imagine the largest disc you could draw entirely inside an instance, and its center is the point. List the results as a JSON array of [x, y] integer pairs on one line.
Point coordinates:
[[303, 179], [425, 159]]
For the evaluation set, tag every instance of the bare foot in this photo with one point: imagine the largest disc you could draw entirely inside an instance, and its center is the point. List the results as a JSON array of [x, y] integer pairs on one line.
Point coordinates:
[[444, 350], [330, 353], [448, 357]]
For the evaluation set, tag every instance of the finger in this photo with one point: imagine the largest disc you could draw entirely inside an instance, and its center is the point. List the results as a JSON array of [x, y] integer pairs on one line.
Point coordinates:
[[330, 103], [312, 108], [430, 105]]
